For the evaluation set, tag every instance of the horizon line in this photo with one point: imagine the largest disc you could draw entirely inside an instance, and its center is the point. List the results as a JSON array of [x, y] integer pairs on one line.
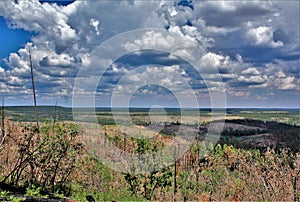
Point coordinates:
[[169, 107]]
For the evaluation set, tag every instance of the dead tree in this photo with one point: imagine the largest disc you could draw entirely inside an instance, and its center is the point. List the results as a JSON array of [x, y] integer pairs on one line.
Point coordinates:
[[34, 96], [2, 118], [55, 114], [3, 134]]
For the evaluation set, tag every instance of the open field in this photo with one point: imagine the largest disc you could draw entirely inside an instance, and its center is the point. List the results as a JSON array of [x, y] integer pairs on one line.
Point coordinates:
[[139, 115]]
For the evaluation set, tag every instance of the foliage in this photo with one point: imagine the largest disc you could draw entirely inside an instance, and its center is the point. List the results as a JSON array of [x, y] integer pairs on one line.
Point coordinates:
[[48, 163], [242, 175], [5, 196], [59, 164], [145, 185], [34, 191]]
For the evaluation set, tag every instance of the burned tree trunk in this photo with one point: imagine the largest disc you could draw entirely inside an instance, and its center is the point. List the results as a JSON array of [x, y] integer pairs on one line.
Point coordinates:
[[2, 124], [34, 97], [2, 119]]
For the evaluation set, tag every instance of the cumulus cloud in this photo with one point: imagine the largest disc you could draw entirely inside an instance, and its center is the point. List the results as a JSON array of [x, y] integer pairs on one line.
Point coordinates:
[[250, 43], [57, 60], [263, 36], [283, 81], [233, 13], [251, 71], [251, 79], [165, 76], [66, 34], [214, 60], [180, 44], [49, 21]]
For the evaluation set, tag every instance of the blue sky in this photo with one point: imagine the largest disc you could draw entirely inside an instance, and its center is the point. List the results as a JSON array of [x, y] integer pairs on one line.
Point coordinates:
[[252, 45], [11, 39]]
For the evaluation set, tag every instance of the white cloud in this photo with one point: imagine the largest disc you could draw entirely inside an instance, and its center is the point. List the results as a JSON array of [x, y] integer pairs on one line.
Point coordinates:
[[168, 77], [238, 93], [65, 36], [252, 79], [175, 41], [281, 74], [3, 88], [15, 81], [284, 82], [66, 39], [232, 13], [95, 24], [45, 19], [251, 71], [214, 60], [58, 60], [157, 40], [263, 35], [280, 79], [223, 63]]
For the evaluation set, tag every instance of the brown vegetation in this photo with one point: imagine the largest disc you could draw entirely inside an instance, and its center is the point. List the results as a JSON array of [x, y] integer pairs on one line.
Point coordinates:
[[59, 163]]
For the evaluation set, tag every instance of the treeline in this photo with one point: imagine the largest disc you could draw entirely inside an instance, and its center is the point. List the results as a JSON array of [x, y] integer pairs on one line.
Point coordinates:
[[240, 133], [286, 135]]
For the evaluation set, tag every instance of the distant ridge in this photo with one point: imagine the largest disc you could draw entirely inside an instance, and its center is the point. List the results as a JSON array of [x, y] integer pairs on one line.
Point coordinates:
[[170, 108]]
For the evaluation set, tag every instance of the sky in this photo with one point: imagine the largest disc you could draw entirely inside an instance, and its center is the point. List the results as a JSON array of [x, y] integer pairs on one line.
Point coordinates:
[[151, 53]]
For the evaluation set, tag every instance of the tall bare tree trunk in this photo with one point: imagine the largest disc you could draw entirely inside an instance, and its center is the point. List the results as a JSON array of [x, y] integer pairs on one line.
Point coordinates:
[[34, 97], [2, 124], [54, 117], [55, 114], [2, 118]]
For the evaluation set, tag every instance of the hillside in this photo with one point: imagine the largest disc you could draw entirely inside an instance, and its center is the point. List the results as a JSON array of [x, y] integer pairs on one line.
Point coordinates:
[[253, 160]]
